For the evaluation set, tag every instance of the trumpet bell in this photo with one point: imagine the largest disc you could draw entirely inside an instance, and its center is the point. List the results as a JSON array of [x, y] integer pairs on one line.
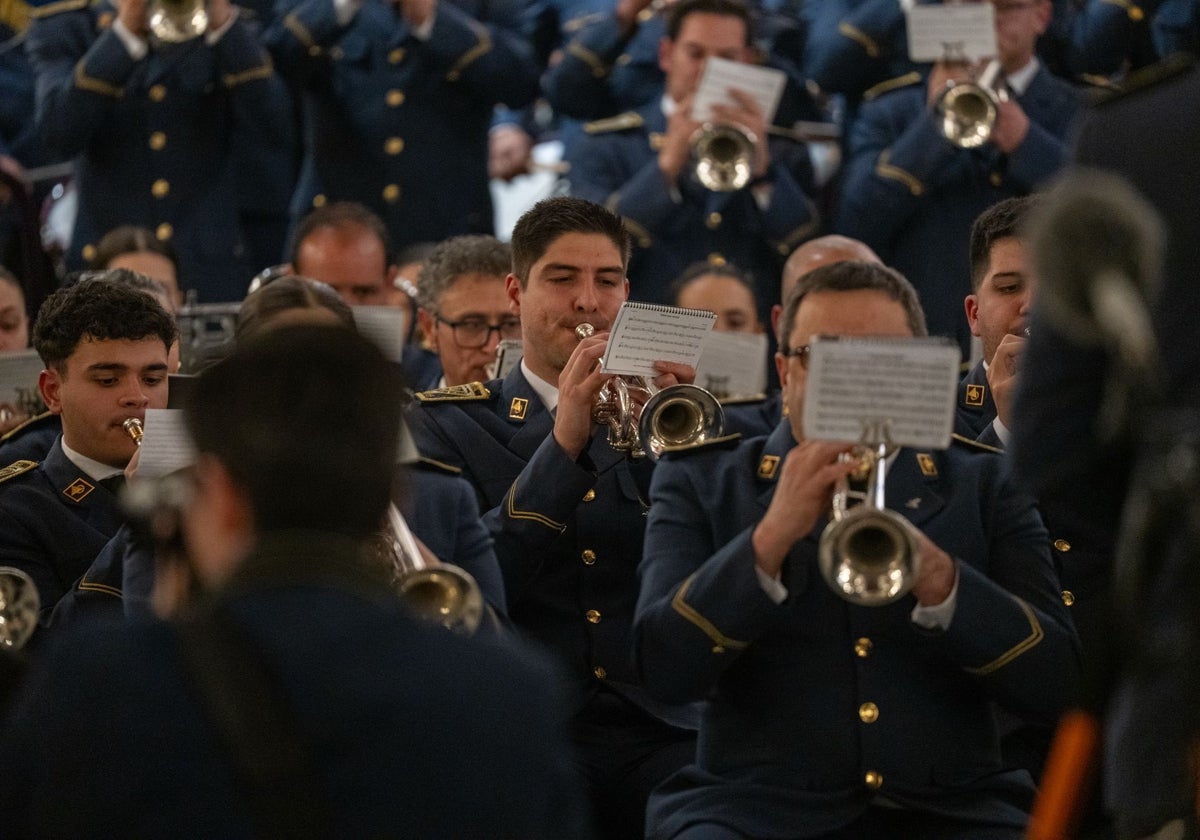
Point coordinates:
[[19, 606], [680, 415], [968, 114], [176, 21], [443, 594], [869, 556], [724, 156]]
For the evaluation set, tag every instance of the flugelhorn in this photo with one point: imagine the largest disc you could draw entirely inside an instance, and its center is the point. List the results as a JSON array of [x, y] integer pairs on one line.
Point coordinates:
[[724, 155], [176, 21], [967, 111], [868, 554], [643, 419], [442, 594], [19, 606]]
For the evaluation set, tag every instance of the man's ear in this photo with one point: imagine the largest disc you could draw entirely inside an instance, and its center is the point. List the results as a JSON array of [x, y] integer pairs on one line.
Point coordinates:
[[50, 387], [512, 289], [428, 328], [971, 305]]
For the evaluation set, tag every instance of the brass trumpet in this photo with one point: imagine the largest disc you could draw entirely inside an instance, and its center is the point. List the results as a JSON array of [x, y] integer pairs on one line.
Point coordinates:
[[724, 155], [661, 419], [868, 554], [176, 21], [19, 606], [967, 111]]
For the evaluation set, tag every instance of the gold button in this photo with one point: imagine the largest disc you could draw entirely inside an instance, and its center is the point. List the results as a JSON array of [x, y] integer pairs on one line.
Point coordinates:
[[89, 252], [336, 53], [868, 713], [1136, 14], [713, 221], [589, 557], [996, 178], [314, 51], [164, 232], [599, 672], [716, 259], [1068, 597], [593, 616], [395, 98], [391, 193], [393, 146], [862, 648], [157, 93], [589, 495], [1062, 545], [319, 200], [158, 141], [873, 780], [395, 56], [160, 188]]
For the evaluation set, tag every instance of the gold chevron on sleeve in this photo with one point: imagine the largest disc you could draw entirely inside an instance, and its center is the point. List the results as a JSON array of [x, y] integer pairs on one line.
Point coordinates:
[[1036, 634], [721, 642]]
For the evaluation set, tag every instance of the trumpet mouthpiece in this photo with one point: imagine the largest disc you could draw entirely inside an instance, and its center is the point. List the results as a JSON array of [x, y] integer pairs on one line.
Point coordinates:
[[133, 426], [584, 331]]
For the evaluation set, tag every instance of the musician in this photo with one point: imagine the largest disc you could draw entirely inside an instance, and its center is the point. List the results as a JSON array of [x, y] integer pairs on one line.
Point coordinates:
[[346, 246], [292, 695], [566, 510], [105, 348], [640, 164], [464, 309], [722, 289], [14, 320], [826, 719]]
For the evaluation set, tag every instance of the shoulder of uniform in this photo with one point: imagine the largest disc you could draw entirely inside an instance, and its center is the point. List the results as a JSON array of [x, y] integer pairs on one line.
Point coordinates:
[[1147, 78], [974, 445], [433, 465], [29, 424], [58, 8], [743, 399], [15, 469], [722, 442], [621, 122], [470, 392], [883, 87]]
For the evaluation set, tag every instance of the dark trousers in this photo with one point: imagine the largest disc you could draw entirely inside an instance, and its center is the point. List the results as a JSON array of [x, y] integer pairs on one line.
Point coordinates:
[[625, 753], [881, 824]]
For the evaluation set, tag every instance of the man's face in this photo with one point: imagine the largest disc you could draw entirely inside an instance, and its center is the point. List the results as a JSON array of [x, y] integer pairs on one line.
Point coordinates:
[[580, 279], [1018, 25], [862, 312], [351, 259], [156, 267], [1001, 306], [14, 323], [731, 300], [104, 383], [702, 35], [472, 301]]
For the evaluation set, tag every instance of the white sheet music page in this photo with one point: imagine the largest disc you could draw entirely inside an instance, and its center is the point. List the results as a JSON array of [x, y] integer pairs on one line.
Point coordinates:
[[166, 444], [911, 382], [383, 326], [645, 333], [764, 84], [967, 31], [19, 371], [733, 364]]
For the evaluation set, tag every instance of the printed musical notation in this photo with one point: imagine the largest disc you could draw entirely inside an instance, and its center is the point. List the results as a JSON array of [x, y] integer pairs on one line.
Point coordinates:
[[645, 333]]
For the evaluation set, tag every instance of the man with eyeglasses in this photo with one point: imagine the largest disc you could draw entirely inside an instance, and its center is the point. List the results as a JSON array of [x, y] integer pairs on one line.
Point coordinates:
[[464, 310]]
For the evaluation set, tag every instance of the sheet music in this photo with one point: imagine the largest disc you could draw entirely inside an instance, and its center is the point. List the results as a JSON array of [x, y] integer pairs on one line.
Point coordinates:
[[19, 373], [733, 364], [508, 355], [383, 326], [912, 382], [166, 444], [765, 84], [967, 31], [644, 333]]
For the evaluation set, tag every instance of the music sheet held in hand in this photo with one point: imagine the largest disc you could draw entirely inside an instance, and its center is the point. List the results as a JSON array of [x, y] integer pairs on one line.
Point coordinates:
[[764, 84], [645, 333], [166, 444], [912, 382]]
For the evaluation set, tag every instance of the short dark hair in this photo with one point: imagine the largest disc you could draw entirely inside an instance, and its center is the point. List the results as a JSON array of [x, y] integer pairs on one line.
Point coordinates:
[[707, 269], [285, 294], [550, 218], [849, 277], [1004, 220], [131, 239], [341, 215], [456, 257], [726, 8], [101, 305], [307, 421]]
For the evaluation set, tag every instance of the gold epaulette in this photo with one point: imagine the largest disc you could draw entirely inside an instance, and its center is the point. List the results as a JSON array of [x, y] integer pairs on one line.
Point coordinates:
[[974, 444], [470, 392], [58, 8], [15, 469], [438, 466], [741, 399], [621, 122], [16, 430], [1149, 77], [703, 444], [880, 89]]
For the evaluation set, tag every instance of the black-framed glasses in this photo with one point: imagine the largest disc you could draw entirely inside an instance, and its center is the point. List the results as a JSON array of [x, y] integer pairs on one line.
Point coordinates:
[[800, 353], [475, 332]]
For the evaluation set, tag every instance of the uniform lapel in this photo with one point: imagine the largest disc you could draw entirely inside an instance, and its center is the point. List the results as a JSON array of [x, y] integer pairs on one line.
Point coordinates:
[[80, 492]]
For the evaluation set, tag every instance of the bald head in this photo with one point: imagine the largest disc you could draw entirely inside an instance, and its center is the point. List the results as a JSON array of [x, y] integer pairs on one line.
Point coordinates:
[[824, 250]]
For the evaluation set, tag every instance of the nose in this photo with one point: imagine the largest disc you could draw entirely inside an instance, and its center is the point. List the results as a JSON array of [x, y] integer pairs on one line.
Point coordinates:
[[493, 340], [586, 299], [135, 395]]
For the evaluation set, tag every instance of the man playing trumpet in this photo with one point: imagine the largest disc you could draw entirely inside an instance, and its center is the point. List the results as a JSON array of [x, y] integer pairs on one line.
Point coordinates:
[[828, 719]]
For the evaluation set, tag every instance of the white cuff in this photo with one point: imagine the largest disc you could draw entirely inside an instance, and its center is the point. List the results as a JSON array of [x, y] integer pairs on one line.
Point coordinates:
[[762, 195], [775, 590], [938, 616], [345, 10], [425, 31], [215, 35], [134, 45], [1002, 431]]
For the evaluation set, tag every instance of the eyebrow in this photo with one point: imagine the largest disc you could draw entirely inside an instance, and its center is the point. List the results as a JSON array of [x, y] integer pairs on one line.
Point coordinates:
[[608, 269], [117, 367]]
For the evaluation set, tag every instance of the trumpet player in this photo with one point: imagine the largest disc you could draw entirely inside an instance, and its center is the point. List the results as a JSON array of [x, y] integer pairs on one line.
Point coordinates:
[[641, 163], [827, 718], [566, 510]]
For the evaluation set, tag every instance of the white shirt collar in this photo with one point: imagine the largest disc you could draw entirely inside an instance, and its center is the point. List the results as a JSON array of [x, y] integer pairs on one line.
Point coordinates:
[[1019, 81], [546, 391], [91, 467], [668, 106]]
